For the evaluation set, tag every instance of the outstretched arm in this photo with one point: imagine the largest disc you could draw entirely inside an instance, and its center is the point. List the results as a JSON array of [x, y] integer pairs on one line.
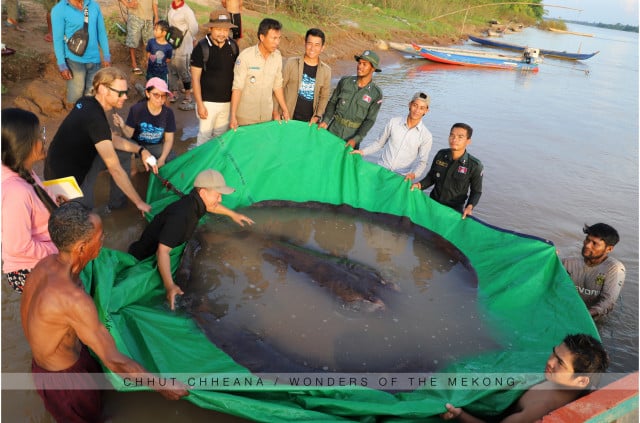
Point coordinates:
[[82, 316], [240, 219]]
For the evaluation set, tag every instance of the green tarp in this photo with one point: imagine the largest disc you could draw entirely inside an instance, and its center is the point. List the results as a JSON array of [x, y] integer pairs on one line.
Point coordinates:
[[530, 301]]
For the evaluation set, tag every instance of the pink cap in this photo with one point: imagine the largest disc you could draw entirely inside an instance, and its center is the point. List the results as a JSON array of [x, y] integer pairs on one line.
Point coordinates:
[[159, 84]]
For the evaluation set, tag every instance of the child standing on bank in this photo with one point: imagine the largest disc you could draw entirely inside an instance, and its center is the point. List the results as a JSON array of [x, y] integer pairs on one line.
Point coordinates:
[[159, 52]]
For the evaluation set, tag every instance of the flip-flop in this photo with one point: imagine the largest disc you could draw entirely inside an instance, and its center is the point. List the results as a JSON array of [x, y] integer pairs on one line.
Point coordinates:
[[6, 51], [137, 71], [12, 23]]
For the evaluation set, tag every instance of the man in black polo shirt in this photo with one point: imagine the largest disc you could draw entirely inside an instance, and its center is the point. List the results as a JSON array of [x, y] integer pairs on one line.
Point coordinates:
[[455, 174], [212, 63], [176, 224]]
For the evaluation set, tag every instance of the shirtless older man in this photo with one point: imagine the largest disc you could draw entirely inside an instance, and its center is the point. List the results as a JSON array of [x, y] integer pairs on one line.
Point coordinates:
[[572, 368], [60, 322]]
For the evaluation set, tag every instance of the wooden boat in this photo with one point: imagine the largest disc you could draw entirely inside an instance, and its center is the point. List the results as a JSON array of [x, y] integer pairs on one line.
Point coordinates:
[[547, 53], [562, 31], [459, 57]]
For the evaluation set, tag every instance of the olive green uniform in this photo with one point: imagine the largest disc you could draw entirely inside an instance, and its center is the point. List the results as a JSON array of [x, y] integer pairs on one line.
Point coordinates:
[[352, 111]]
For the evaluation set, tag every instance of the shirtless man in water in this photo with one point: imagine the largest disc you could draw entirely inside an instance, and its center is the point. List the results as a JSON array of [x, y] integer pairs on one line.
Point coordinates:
[[572, 368], [60, 321]]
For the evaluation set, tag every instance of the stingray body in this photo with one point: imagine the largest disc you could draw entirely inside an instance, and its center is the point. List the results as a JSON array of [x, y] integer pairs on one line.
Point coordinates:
[[358, 286]]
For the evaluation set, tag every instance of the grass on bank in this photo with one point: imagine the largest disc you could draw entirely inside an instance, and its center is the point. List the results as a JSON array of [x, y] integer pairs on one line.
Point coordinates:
[[376, 19]]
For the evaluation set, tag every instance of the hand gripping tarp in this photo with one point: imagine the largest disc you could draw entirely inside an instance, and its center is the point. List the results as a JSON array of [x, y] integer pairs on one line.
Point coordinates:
[[529, 298]]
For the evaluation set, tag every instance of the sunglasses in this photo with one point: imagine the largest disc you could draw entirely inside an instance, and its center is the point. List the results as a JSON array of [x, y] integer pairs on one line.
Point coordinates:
[[423, 96], [120, 93]]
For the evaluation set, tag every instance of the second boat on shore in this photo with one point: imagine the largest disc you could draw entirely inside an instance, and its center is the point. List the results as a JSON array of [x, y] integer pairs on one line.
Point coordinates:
[[472, 58]]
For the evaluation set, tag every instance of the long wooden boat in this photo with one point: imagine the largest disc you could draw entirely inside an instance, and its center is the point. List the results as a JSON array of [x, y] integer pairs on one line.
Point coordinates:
[[547, 53], [476, 59], [563, 31]]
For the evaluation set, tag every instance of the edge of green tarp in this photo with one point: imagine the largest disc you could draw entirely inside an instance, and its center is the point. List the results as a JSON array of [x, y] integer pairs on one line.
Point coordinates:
[[528, 298]]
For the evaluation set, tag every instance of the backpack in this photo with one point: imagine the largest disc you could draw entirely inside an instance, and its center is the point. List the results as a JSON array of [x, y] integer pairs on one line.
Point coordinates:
[[175, 36], [204, 45]]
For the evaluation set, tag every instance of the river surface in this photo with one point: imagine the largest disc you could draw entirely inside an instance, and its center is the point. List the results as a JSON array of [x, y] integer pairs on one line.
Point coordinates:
[[560, 149]]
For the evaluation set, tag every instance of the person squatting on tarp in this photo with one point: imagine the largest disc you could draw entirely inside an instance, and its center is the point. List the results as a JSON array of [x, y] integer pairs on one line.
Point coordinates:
[[177, 222], [84, 144]]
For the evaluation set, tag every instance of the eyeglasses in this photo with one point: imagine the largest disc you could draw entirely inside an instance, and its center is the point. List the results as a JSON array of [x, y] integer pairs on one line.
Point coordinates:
[[120, 93], [43, 135], [158, 95]]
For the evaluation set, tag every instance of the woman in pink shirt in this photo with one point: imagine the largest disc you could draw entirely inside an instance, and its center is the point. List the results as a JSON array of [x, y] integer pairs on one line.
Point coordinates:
[[25, 203]]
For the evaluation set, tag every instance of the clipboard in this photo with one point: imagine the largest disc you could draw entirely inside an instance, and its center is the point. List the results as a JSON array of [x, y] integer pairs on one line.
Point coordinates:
[[67, 187]]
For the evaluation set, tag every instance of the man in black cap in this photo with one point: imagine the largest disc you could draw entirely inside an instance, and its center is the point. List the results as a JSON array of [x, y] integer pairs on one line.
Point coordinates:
[[176, 224], [354, 104]]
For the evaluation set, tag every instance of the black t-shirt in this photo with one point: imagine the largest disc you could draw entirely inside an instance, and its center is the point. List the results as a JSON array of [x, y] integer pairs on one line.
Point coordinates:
[[73, 150], [304, 105], [216, 80], [172, 227]]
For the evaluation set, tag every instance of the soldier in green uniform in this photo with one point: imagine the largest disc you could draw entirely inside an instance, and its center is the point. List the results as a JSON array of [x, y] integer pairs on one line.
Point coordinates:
[[354, 104], [455, 174]]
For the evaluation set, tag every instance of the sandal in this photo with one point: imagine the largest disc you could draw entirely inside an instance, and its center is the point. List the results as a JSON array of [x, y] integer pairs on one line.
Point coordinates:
[[12, 23], [137, 71], [186, 105]]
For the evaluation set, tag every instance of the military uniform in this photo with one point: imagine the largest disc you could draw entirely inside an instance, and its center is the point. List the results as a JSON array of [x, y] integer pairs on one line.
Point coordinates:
[[352, 111], [453, 179]]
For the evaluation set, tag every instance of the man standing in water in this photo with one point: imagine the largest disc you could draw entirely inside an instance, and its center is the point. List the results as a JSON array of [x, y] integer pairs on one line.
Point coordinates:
[[354, 104], [174, 225], [573, 367], [60, 322], [455, 174], [598, 277], [405, 142]]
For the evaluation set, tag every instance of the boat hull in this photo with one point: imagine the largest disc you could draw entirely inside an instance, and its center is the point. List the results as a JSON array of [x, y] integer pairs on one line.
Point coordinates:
[[468, 58], [547, 53]]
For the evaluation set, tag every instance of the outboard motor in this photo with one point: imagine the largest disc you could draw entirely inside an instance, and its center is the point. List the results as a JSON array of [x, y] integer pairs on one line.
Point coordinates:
[[531, 55]]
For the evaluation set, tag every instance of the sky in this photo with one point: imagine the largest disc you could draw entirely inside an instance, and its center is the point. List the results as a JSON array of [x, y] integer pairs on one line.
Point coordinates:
[[605, 11]]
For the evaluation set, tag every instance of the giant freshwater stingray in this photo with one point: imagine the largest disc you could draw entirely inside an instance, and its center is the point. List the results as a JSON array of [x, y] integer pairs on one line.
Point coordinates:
[[252, 300]]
